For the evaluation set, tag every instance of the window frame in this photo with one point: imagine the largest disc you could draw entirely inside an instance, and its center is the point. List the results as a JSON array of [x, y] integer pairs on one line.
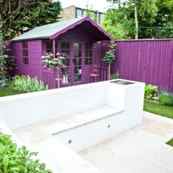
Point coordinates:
[[88, 53]]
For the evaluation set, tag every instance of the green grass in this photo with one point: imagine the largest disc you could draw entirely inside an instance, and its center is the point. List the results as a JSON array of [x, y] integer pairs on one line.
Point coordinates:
[[153, 107], [6, 91], [170, 142]]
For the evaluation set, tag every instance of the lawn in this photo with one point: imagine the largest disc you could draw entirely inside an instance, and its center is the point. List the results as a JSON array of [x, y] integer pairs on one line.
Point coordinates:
[[6, 91], [166, 111], [170, 142]]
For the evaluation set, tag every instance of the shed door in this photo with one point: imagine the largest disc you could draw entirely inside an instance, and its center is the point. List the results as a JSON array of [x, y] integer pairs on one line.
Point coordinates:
[[65, 50], [77, 61], [82, 60]]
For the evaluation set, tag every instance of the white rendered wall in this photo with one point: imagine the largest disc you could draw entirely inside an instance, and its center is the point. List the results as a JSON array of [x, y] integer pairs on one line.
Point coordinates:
[[25, 109]]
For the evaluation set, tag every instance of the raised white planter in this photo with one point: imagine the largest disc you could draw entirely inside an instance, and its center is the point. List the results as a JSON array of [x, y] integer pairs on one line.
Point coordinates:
[[78, 116], [99, 110]]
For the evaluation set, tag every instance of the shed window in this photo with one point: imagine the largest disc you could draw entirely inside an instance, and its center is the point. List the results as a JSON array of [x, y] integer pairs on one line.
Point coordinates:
[[78, 49], [49, 46], [77, 61], [65, 51], [88, 53], [25, 57]]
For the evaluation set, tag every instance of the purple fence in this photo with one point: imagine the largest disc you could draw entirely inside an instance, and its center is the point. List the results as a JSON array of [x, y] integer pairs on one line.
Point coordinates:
[[150, 61]]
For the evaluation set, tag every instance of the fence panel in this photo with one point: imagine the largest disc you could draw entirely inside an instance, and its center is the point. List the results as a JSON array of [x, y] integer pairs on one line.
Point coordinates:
[[150, 61]]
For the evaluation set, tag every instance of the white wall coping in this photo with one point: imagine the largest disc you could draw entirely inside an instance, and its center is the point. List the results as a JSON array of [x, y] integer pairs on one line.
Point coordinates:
[[62, 90]]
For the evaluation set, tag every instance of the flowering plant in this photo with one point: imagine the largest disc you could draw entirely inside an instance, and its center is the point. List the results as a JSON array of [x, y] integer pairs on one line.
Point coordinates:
[[51, 61]]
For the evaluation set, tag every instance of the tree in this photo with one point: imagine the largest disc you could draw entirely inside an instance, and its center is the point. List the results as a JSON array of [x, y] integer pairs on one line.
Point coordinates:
[[137, 17], [163, 25], [136, 20], [21, 15], [148, 10], [143, 9], [117, 23]]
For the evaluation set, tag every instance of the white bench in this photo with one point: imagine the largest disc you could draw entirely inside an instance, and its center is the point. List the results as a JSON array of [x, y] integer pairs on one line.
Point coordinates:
[[42, 130], [83, 118]]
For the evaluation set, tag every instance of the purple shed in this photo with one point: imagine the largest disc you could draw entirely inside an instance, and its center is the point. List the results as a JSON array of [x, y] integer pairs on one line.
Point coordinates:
[[77, 39]]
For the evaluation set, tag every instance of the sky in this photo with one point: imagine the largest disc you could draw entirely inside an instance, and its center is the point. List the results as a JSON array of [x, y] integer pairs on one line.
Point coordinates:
[[99, 5]]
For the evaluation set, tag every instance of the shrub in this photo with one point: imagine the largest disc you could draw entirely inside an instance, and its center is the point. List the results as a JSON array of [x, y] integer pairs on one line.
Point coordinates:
[[151, 91], [7, 65], [3, 70], [15, 159], [27, 84], [166, 99]]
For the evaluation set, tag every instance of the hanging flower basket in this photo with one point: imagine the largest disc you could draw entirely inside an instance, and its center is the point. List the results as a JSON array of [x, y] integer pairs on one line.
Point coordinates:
[[53, 62]]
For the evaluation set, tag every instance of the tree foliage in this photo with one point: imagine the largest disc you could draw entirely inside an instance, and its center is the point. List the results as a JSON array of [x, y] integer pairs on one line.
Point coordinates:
[[164, 19], [21, 15], [90, 13], [155, 19], [116, 22]]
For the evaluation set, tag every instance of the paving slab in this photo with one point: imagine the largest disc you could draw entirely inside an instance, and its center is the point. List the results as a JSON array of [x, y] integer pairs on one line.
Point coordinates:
[[139, 150]]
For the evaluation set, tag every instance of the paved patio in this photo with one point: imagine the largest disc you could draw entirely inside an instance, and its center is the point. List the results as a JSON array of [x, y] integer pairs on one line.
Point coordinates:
[[140, 150]]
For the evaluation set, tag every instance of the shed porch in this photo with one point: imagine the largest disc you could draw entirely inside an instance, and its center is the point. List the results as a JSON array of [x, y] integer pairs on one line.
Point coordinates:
[[79, 46]]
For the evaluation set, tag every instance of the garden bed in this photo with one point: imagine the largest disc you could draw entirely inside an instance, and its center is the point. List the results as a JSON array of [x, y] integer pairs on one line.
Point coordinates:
[[7, 91], [22, 84]]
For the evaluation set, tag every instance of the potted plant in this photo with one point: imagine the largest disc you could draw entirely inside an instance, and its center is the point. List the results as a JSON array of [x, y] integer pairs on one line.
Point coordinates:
[[55, 62], [109, 57]]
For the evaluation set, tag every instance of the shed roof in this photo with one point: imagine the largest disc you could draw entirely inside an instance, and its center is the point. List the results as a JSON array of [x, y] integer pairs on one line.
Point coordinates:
[[55, 29]]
